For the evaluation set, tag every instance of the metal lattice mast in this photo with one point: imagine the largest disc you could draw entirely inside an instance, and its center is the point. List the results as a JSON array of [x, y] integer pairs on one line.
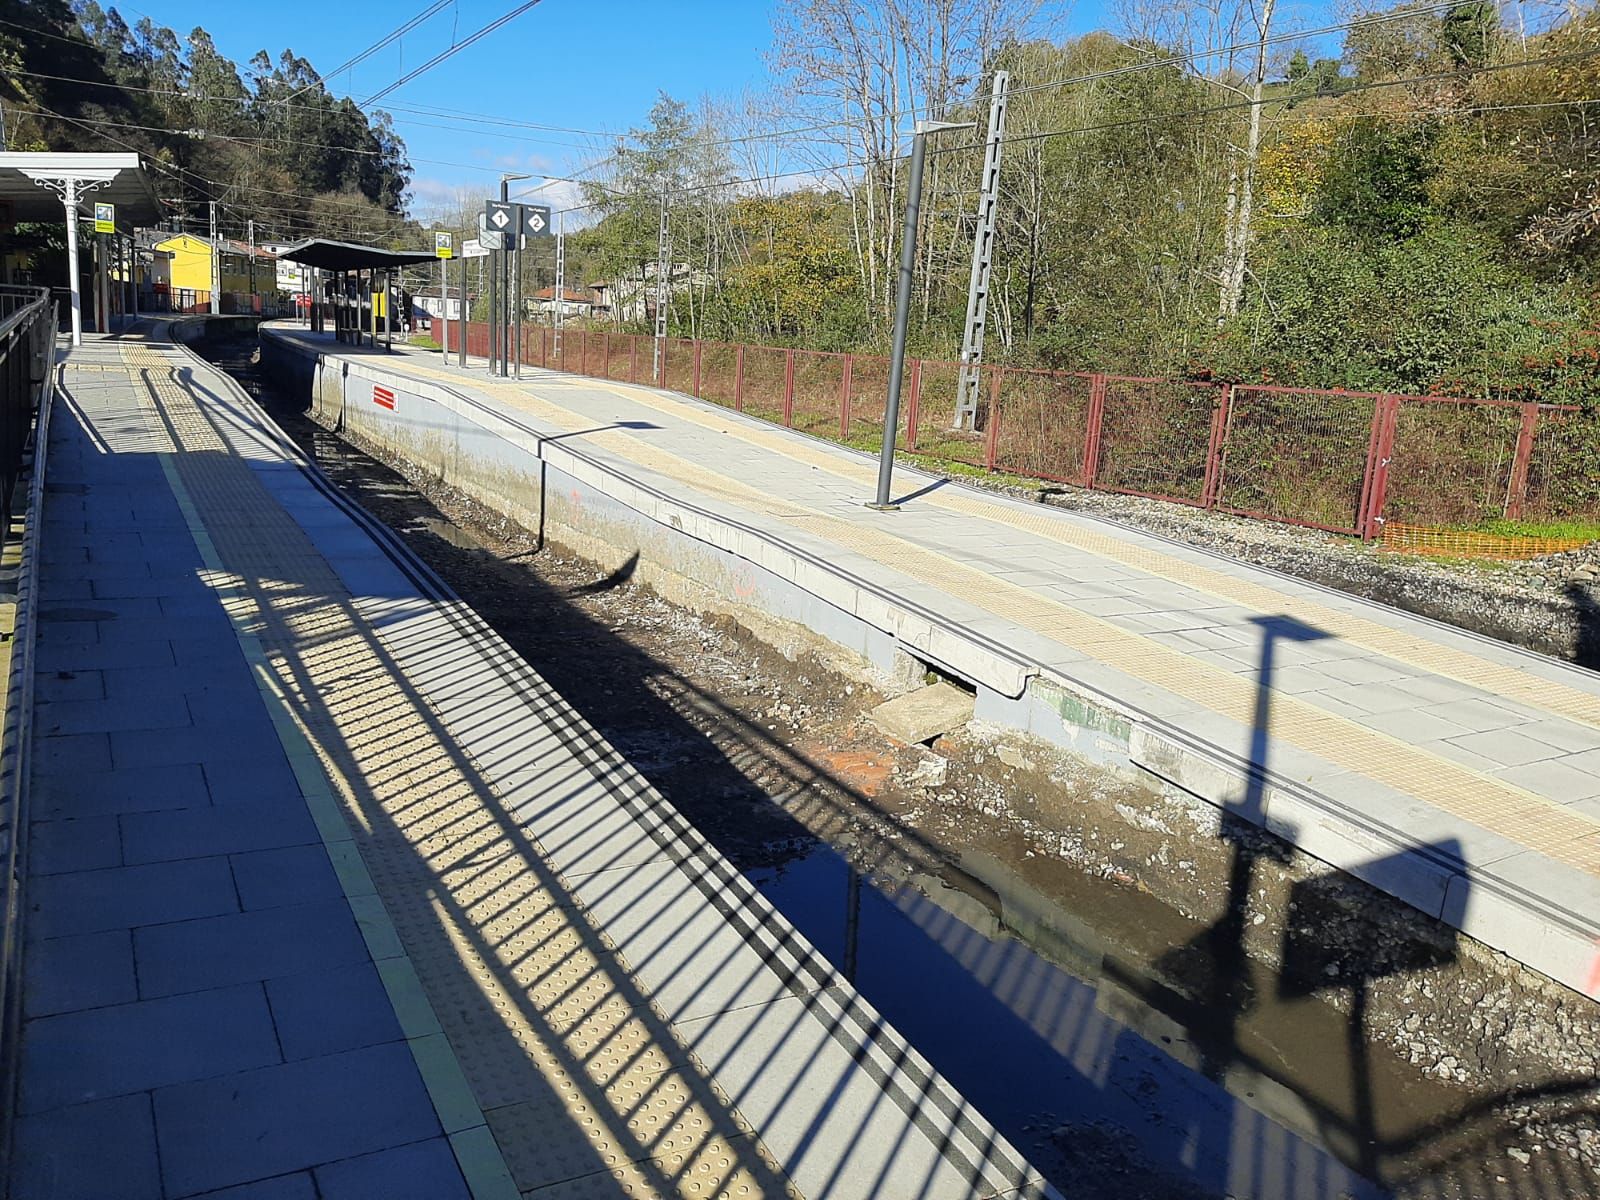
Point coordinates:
[[216, 263], [661, 294], [969, 387], [561, 281]]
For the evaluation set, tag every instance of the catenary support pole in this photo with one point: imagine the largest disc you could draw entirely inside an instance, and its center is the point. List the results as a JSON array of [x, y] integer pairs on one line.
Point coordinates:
[[663, 268], [216, 263], [969, 386], [560, 290], [461, 347], [902, 305]]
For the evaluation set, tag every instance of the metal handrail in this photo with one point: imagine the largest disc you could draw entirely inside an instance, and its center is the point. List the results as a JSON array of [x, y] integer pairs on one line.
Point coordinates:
[[27, 359]]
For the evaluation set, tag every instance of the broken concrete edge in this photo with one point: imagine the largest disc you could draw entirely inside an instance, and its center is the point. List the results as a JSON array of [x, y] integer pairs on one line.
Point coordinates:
[[885, 636], [925, 714]]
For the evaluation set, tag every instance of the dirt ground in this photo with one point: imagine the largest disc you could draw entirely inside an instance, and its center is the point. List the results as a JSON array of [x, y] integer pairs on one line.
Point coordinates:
[[1441, 1068]]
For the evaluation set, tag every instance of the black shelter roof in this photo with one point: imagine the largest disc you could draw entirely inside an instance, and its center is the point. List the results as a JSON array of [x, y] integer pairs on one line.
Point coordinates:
[[348, 256]]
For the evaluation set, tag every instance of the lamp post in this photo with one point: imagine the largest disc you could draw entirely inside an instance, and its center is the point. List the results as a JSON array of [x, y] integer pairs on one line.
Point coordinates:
[[902, 303]]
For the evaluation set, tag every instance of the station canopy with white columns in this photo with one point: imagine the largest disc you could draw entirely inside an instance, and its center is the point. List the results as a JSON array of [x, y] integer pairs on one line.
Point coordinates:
[[49, 186]]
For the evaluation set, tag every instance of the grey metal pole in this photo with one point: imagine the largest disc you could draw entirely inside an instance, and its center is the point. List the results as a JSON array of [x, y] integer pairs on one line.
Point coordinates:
[[444, 310], [516, 305], [461, 350], [133, 278], [250, 226], [902, 304], [902, 319], [388, 310], [103, 281], [494, 309]]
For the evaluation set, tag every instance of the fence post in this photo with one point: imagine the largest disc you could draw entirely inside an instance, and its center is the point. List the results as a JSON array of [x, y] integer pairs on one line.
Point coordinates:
[[991, 444], [1215, 450], [788, 389], [1377, 491], [1517, 489], [738, 379], [844, 400], [914, 407], [697, 345], [1091, 433]]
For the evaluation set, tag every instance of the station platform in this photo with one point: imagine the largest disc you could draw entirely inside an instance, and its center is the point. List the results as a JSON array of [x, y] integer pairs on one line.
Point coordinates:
[[1457, 773], [330, 895]]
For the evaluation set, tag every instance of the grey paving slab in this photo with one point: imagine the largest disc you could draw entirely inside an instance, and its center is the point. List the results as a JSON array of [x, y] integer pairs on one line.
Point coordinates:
[[682, 950], [231, 740], [129, 897], [88, 970], [53, 686], [298, 1186], [1556, 778], [119, 714], [421, 1171], [1505, 746], [89, 793], [74, 844], [263, 782], [271, 1121], [76, 1057], [329, 1012], [75, 753], [294, 874], [201, 832], [105, 1150], [211, 952], [1413, 726]]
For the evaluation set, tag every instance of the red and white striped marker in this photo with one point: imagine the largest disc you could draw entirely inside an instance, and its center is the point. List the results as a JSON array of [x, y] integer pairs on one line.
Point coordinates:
[[383, 397]]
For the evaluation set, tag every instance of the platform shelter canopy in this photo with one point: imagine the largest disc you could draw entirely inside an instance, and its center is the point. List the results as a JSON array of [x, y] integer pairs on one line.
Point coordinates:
[[326, 255]]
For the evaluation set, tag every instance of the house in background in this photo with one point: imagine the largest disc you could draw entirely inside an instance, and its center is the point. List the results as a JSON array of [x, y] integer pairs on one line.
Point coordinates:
[[190, 268], [573, 304], [632, 297]]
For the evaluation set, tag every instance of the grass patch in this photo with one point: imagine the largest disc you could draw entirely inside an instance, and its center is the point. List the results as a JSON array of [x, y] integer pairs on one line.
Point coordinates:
[[1576, 528], [423, 342]]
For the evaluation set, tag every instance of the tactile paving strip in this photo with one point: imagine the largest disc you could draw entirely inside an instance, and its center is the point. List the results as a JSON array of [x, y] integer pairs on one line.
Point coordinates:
[[1565, 835], [541, 1013]]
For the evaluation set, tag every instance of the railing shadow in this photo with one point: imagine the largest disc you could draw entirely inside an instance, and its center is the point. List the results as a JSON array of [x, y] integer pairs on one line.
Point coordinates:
[[816, 800]]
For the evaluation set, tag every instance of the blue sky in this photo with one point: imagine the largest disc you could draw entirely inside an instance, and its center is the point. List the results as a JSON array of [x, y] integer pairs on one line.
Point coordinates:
[[590, 65], [582, 64]]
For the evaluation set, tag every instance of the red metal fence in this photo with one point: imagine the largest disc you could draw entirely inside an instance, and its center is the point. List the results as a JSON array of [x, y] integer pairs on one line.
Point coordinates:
[[1335, 460]]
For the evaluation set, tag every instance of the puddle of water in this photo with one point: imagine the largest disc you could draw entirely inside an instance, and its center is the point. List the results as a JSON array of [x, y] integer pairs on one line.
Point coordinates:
[[1081, 1075]]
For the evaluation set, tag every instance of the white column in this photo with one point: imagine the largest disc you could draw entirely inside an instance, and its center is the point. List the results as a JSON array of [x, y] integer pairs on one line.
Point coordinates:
[[71, 202]]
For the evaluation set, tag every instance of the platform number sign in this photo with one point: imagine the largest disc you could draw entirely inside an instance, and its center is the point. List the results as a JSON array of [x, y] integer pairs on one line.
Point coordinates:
[[443, 245], [105, 218]]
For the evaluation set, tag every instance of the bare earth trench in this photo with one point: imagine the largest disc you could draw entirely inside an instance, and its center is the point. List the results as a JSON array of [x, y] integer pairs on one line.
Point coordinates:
[[1481, 1076]]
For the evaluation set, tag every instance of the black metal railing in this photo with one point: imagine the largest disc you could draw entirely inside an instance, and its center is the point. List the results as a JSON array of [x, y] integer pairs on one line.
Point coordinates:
[[27, 351], [27, 357]]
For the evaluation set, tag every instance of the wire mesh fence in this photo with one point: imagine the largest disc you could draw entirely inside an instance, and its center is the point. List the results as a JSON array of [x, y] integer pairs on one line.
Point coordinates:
[[1348, 462], [1297, 455], [1156, 438]]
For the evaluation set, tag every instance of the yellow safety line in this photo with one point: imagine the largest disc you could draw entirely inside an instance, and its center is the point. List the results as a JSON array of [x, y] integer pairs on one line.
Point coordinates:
[[1502, 808]]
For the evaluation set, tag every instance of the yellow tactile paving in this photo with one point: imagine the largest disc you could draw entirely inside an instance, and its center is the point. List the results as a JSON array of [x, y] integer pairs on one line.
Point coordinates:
[[1435, 657], [575, 1071], [1502, 808]]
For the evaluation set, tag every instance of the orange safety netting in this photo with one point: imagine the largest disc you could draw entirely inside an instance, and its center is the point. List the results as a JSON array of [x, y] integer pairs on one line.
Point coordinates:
[[1468, 543]]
